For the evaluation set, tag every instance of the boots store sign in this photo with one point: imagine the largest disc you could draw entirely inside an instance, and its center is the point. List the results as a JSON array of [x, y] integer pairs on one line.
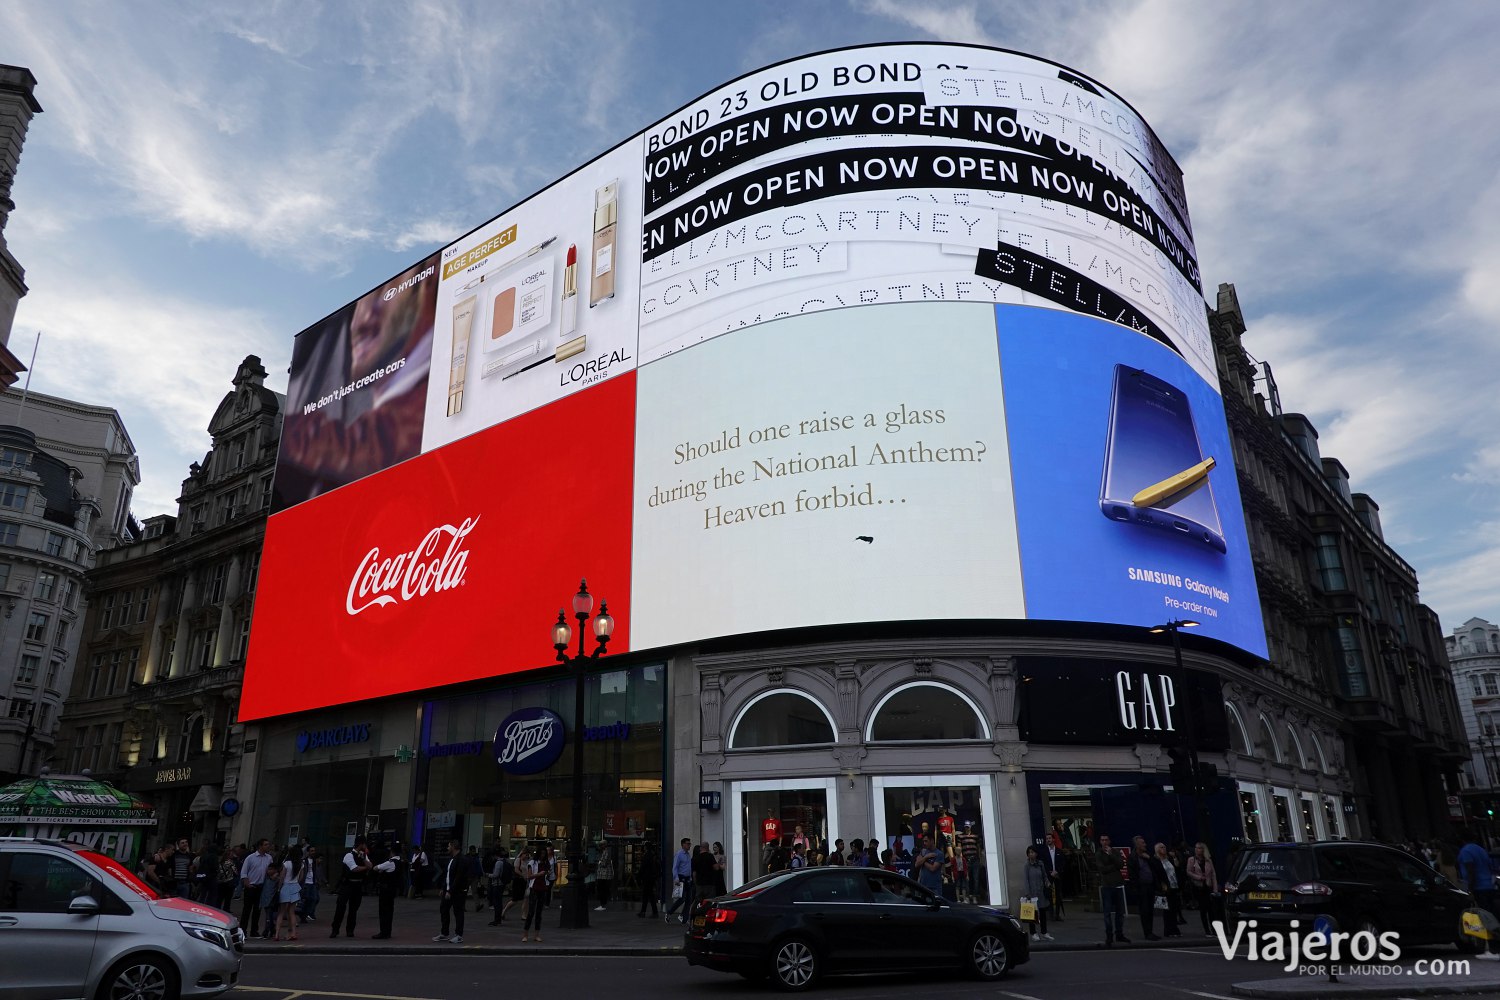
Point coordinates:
[[529, 741], [1117, 703]]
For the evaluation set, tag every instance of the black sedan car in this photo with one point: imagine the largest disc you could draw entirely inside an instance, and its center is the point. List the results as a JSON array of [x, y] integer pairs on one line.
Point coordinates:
[[796, 926], [1363, 886]]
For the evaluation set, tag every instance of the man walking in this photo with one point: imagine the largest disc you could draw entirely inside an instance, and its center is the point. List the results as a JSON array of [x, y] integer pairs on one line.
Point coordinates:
[[252, 878], [682, 875], [1143, 869], [1478, 876], [453, 893], [351, 891], [1107, 866], [648, 877], [312, 869]]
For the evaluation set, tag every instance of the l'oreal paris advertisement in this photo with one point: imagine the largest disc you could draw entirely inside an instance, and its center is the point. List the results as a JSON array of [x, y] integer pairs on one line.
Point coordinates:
[[894, 332]]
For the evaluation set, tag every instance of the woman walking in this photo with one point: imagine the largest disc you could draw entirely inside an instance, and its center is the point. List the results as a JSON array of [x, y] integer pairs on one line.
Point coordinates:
[[536, 896], [289, 892], [604, 876], [518, 878], [1205, 881], [1036, 882]]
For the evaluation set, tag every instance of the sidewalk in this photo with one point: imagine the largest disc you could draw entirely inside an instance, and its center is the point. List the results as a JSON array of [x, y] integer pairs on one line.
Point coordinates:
[[617, 931]]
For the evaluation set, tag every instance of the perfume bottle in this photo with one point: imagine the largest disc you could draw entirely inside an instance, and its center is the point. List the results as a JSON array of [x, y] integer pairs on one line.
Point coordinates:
[[606, 212]]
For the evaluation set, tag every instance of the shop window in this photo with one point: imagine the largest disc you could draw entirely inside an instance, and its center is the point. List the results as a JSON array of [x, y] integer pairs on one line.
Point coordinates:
[[1250, 814], [952, 813], [1331, 817], [774, 820], [783, 718], [1309, 823], [922, 712], [1283, 810]]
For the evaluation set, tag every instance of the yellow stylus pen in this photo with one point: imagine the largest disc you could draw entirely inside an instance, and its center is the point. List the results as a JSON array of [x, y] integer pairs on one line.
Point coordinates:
[[1174, 488]]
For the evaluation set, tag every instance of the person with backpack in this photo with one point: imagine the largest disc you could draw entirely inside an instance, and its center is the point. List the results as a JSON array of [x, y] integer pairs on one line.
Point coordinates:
[[223, 876], [501, 873]]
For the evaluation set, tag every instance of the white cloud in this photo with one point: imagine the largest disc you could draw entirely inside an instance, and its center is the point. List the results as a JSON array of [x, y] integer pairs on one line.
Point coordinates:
[[163, 362]]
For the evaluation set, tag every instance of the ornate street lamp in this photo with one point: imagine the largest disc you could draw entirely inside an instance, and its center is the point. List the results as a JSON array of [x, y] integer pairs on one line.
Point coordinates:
[[575, 908]]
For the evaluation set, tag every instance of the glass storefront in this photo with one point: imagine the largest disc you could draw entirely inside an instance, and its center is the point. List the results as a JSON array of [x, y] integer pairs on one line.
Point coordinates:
[[1250, 812], [775, 821], [464, 794], [954, 812]]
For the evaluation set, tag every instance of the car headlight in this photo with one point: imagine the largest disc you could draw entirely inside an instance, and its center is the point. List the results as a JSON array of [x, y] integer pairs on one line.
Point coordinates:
[[212, 935]]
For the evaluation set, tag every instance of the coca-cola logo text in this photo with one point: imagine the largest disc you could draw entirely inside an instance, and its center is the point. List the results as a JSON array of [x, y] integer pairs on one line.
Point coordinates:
[[378, 582], [529, 741]]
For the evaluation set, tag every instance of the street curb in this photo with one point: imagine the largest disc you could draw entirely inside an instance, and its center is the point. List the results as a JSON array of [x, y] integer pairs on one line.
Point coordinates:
[[1318, 988], [546, 951], [638, 951]]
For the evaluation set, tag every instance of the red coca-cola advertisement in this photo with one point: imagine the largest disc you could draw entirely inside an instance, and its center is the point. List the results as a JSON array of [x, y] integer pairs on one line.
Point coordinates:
[[451, 566]]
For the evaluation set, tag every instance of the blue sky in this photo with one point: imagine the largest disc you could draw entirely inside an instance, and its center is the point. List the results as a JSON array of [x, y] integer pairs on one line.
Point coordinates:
[[210, 178]]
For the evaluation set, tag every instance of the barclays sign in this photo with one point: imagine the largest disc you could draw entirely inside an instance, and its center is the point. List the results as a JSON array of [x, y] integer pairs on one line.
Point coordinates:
[[317, 739], [529, 741]]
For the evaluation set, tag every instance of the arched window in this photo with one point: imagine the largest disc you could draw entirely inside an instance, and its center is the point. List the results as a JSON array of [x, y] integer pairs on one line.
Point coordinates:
[[1269, 748], [923, 711], [1296, 745], [1239, 740], [781, 719], [1322, 757]]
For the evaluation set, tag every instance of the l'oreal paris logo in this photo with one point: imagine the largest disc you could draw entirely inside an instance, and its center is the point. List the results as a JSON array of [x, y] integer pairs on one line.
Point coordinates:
[[395, 290], [529, 741], [1145, 701], [411, 574]]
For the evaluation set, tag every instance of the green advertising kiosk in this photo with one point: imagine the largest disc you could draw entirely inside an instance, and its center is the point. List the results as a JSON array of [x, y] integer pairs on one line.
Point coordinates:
[[78, 808]]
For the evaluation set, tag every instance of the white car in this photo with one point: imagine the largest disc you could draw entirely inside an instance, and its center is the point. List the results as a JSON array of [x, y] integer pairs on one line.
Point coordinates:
[[76, 925]]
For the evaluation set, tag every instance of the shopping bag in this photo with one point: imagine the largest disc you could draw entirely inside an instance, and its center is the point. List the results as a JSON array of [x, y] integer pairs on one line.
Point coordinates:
[[1479, 924], [676, 890], [1028, 907], [1160, 903]]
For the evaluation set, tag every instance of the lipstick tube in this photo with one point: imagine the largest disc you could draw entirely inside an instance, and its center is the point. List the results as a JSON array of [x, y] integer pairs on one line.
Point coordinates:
[[569, 306]]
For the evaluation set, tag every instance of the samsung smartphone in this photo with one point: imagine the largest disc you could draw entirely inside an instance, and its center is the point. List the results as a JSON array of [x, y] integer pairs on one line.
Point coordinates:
[[1152, 438]]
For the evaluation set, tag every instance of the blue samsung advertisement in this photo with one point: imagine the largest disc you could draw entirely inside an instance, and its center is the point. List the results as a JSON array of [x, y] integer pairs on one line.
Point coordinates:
[[1127, 508]]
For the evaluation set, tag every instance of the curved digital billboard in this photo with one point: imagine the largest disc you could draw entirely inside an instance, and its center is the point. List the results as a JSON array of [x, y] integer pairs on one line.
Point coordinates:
[[897, 332]]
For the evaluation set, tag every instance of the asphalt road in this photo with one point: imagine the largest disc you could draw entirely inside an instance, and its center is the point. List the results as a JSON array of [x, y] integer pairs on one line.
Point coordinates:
[[1163, 974]]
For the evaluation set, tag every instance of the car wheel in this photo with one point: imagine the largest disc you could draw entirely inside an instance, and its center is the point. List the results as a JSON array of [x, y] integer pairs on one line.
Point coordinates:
[[1368, 926], [140, 977], [794, 965], [988, 958]]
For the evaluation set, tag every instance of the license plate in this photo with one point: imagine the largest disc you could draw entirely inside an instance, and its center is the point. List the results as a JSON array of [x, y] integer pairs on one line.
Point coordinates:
[[698, 923], [1265, 895]]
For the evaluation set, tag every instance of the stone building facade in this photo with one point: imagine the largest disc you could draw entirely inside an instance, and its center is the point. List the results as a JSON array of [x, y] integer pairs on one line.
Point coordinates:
[[168, 626]]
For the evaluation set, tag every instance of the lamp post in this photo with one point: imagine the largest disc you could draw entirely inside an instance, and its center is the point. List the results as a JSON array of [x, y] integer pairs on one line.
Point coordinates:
[[1189, 722], [575, 909]]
